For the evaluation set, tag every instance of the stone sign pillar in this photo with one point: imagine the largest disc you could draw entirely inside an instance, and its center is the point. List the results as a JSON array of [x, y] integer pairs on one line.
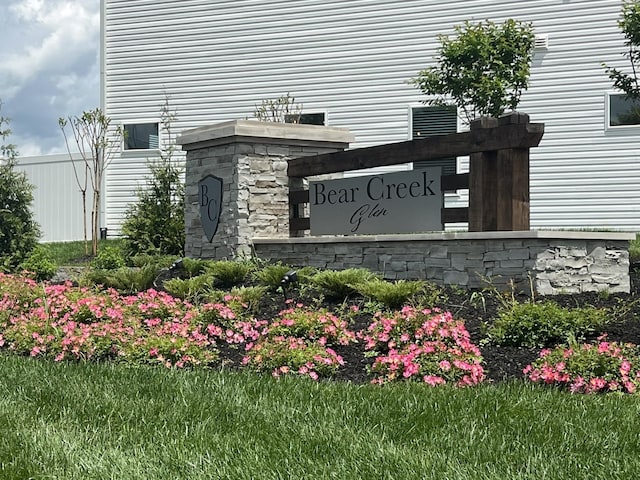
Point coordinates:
[[236, 183]]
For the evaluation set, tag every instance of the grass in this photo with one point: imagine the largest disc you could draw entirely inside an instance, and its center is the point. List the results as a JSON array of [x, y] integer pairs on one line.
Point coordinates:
[[73, 253], [86, 421]]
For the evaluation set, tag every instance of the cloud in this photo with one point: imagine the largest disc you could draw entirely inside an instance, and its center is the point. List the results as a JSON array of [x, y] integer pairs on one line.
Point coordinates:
[[49, 67]]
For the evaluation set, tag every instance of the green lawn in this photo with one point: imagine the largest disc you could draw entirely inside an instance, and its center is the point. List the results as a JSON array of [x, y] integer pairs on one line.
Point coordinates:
[[87, 421], [73, 253]]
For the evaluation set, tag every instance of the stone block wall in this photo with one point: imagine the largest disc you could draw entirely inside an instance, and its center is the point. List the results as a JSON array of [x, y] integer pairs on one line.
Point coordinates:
[[549, 262]]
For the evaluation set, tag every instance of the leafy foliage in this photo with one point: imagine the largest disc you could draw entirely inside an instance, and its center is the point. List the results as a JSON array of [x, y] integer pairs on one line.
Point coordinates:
[[391, 294], [40, 263], [126, 279], [108, 258], [484, 70], [341, 283], [228, 273], [543, 324], [191, 288], [19, 231], [271, 275]]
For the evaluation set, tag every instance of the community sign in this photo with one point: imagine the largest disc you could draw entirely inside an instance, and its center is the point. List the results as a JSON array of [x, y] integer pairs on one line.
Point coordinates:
[[402, 202]]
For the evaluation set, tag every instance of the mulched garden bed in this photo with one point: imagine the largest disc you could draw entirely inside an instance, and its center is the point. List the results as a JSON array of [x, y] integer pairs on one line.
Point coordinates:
[[476, 309]]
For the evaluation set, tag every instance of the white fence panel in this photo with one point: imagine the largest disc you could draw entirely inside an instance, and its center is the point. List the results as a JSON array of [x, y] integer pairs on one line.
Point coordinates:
[[57, 204]]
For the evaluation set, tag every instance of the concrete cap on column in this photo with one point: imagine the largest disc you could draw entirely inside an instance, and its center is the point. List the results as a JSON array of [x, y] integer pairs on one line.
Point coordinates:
[[264, 132]]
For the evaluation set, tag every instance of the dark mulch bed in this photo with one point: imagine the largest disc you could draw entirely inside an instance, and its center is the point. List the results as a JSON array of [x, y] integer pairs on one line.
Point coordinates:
[[501, 363]]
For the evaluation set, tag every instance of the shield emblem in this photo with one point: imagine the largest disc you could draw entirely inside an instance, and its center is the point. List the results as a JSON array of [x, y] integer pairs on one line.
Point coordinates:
[[210, 201]]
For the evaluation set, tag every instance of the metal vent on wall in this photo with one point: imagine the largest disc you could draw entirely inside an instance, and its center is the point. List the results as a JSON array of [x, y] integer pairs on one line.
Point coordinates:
[[541, 42], [430, 121]]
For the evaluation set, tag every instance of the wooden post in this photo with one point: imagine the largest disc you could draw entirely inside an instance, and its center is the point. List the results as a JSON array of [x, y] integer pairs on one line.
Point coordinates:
[[499, 182]]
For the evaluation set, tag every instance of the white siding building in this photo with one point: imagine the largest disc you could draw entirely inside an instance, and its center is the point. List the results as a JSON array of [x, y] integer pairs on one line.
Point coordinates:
[[350, 61]]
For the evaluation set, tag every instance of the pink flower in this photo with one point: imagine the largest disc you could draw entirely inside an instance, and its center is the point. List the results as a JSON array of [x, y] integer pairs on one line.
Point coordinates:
[[625, 367], [433, 380]]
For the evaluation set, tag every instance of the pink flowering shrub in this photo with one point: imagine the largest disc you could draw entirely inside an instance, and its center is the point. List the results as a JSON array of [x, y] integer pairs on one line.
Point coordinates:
[[589, 368], [299, 342], [223, 314], [16, 294], [292, 355], [65, 323], [320, 325], [422, 344]]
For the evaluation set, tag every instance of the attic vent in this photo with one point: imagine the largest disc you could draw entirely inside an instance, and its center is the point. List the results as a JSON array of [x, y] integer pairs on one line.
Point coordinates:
[[542, 42]]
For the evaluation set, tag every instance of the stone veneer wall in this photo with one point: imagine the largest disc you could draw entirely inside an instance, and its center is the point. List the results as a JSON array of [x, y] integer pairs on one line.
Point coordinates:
[[550, 262], [251, 158]]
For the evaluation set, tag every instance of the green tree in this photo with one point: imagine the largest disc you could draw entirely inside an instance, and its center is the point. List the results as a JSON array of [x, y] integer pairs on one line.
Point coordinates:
[[97, 144], [629, 23], [19, 232], [483, 71], [155, 224]]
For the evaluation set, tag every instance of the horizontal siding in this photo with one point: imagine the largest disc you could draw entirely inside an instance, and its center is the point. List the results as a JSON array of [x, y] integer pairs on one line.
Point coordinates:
[[352, 58]]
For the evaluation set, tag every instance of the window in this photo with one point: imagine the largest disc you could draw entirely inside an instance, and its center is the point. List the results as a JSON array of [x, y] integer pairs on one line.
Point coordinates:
[[305, 118], [622, 111], [429, 121], [141, 136]]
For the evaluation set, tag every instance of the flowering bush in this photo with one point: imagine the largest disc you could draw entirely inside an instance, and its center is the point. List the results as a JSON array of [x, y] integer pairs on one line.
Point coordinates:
[[588, 368], [320, 325], [425, 344], [298, 342], [282, 355], [62, 322]]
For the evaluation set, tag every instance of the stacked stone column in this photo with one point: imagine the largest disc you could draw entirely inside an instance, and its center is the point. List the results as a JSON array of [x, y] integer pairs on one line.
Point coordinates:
[[251, 159]]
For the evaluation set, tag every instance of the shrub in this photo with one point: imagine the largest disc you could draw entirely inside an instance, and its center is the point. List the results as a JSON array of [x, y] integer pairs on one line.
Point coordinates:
[[249, 296], [428, 345], [341, 283], [297, 342], [194, 266], [320, 325], [125, 279], [537, 325], [391, 294], [292, 355], [587, 368], [18, 230], [81, 324], [191, 289], [228, 273], [155, 224], [108, 258], [40, 263], [271, 275]]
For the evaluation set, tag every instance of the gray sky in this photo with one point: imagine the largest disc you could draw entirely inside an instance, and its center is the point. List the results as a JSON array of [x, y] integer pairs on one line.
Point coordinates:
[[49, 67]]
